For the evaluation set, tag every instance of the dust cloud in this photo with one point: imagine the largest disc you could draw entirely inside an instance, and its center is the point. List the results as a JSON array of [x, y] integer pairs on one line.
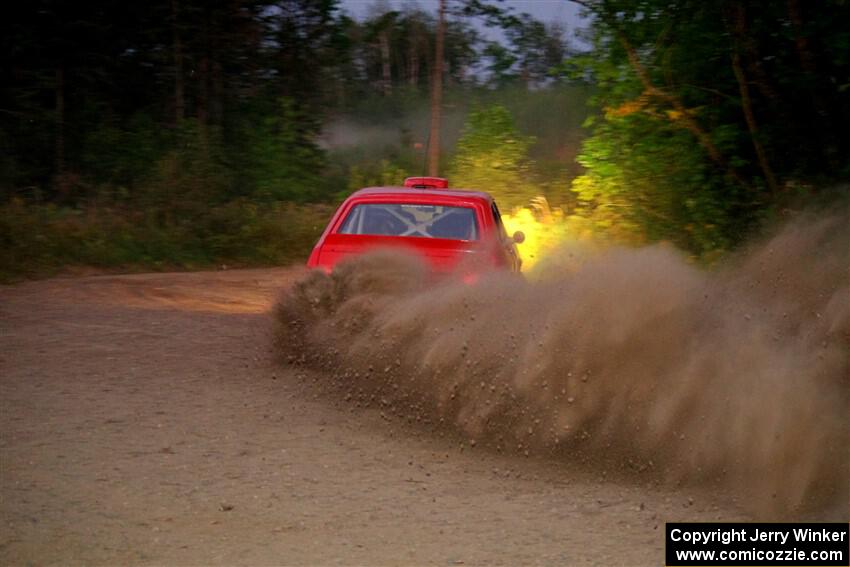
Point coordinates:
[[630, 360]]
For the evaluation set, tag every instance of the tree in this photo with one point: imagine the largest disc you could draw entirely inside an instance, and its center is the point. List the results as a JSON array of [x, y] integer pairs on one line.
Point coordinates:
[[285, 165], [703, 128], [492, 156], [537, 49], [379, 31]]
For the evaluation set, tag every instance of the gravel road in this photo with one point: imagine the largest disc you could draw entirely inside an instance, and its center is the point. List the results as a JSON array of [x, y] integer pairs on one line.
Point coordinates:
[[145, 420]]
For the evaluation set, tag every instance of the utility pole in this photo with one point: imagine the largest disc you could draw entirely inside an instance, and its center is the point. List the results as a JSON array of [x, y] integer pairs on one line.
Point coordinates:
[[437, 96]]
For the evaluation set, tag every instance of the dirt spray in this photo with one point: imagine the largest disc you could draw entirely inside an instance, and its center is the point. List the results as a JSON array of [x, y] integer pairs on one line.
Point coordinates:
[[628, 358]]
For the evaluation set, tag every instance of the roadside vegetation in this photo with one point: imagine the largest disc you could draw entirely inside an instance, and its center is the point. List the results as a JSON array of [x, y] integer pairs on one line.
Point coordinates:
[[187, 134]]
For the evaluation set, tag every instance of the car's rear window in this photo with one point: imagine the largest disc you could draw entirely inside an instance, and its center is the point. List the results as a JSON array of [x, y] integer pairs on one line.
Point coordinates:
[[423, 221]]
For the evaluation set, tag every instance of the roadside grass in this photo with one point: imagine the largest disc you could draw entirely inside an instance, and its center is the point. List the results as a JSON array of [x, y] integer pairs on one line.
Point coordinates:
[[40, 240]]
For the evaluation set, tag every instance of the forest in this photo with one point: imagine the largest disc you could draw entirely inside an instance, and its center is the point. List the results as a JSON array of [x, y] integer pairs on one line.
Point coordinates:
[[184, 134]]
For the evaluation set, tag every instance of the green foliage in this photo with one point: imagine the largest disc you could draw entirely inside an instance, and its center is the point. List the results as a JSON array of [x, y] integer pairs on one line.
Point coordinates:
[[285, 162], [646, 180], [381, 174], [119, 156], [710, 114], [40, 240], [492, 156], [195, 169]]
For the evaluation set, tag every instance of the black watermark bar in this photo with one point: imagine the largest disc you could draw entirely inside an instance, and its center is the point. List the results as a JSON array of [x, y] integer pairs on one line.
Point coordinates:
[[744, 544]]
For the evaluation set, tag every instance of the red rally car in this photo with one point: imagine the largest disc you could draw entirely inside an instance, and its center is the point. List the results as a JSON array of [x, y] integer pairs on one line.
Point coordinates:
[[450, 228]]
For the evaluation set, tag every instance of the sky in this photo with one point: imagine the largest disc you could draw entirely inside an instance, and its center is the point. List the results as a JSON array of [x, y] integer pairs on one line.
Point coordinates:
[[561, 11]]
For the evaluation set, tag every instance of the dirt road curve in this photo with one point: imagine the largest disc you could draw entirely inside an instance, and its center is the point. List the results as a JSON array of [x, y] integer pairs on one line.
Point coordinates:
[[144, 420]]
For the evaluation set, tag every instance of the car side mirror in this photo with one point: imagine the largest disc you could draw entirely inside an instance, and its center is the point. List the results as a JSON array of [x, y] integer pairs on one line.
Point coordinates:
[[519, 237]]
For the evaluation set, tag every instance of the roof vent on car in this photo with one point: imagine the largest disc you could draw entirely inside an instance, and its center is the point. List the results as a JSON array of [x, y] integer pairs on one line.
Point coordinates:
[[427, 182]]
